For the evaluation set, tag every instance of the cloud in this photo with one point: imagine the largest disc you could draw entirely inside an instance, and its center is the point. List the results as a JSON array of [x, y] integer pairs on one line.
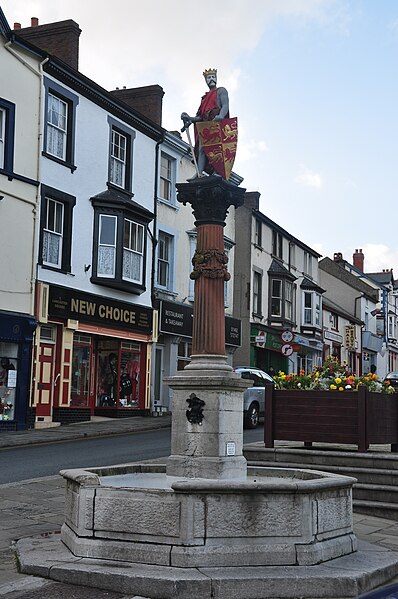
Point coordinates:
[[250, 149], [128, 46], [308, 178]]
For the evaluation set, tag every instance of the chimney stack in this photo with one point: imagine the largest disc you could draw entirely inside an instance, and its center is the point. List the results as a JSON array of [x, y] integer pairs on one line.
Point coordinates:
[[338, 257], [358, 259], [17, 26], [252, 200], [60, 39], [147, 100]]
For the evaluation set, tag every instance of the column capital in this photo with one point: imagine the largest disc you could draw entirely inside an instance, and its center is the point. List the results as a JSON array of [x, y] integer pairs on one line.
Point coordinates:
[[210, 198]]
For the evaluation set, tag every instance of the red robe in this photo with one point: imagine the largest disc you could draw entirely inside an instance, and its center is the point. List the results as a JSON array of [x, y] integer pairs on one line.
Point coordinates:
[[207, 110]]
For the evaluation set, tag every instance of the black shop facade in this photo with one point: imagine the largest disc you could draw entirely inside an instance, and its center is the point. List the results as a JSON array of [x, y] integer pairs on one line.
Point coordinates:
[[91, 357], [173, 348]]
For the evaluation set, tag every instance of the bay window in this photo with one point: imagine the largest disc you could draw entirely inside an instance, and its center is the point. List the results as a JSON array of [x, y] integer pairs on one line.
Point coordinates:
[[119, 248]]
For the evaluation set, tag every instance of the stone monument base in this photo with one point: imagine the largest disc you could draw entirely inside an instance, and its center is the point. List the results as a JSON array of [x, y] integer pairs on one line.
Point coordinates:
[[274, 517]]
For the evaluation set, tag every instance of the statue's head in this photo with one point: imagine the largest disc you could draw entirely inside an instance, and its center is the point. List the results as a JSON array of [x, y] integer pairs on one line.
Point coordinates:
[[210, 76]]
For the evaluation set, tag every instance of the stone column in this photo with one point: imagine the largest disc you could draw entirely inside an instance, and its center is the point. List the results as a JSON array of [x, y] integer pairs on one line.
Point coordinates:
[[207, 420]]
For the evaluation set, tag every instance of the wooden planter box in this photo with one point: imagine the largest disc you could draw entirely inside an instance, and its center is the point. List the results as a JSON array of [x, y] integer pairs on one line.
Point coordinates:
[[349, 417]]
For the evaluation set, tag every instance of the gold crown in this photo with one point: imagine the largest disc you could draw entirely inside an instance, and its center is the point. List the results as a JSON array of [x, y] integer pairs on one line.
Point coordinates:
[[209, 72]]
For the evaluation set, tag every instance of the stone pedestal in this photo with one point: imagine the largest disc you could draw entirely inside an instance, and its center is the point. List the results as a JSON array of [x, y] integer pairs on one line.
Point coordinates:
[[207, 422]]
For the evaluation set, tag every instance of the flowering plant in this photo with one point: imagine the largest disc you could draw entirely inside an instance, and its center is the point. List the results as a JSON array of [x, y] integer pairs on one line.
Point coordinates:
[[332, 376]]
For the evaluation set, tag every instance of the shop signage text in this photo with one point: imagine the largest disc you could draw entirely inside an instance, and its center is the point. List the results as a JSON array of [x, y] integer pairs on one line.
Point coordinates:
[[176, 319], [69, 303]]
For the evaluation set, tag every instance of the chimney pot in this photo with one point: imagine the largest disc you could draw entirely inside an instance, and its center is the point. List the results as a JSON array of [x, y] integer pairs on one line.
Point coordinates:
[[358, 259], [17, 26], [34, 21]]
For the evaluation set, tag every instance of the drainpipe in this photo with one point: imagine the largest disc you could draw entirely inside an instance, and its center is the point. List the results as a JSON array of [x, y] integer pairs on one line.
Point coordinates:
[[153, 268]]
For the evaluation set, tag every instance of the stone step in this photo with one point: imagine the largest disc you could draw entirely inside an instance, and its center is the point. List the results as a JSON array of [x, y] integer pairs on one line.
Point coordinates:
[[380, 509], [307, 457], [363, 475], [382, 493]]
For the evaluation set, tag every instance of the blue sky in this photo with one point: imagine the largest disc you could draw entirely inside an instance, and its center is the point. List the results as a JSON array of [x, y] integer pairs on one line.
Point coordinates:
[[312, 82]]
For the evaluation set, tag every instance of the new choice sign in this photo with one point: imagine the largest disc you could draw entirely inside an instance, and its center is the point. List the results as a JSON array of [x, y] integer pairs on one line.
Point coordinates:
[[69, 303]]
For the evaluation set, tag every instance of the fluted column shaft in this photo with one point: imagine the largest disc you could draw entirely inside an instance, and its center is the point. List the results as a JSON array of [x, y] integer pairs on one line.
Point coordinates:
[[208, 335]]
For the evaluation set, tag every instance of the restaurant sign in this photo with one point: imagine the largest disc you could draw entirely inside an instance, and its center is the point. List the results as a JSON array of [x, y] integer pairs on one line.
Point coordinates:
[[70, 303], [176, 319]]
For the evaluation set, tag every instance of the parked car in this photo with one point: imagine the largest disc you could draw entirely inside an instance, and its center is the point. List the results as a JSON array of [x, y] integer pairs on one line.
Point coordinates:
[[392, 377], [254, 397]]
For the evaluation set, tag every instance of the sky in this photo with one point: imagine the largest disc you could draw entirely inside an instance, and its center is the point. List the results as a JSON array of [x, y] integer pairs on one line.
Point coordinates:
[[313, 84]]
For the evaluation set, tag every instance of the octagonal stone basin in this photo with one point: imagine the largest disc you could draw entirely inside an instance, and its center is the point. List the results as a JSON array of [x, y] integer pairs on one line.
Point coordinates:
[[275, 516]]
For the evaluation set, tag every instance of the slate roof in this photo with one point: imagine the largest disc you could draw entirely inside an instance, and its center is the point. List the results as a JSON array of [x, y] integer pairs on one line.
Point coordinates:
[[338, 271]]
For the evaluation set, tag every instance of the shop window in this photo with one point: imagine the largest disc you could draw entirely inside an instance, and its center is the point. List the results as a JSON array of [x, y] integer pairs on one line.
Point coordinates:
[[56, 229], [59, 131], [8, 379], [184, 354], [118, 377], [80, 380]]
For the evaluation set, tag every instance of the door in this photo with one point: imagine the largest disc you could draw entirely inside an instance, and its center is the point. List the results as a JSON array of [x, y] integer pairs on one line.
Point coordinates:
[[47, 380]]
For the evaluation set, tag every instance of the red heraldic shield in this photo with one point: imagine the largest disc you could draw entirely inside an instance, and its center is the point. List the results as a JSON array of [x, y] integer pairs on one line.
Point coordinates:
[[219, 141]]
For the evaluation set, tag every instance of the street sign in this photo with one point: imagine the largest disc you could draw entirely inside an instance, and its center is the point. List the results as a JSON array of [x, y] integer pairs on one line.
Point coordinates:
[[287, 336], [260, 339], [286, 349]]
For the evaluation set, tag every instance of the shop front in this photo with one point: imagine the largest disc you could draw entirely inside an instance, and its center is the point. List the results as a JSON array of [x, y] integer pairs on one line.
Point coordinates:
[[16, 337], [92, 357], [266, 350], [172, 351]]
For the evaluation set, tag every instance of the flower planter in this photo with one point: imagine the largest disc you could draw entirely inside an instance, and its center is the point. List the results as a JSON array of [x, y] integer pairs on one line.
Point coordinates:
[[349, 417]]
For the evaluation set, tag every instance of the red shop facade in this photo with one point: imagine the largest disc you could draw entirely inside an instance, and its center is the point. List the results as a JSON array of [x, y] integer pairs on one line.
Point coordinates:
[[91, 357]]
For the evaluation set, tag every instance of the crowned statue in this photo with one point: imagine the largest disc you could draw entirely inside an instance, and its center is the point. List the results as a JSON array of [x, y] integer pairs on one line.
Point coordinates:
[[216, 134]]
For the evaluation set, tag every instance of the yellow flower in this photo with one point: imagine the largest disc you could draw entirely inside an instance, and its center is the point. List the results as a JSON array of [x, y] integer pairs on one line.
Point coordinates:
[[341, 388], [333, 387], [338, 380]]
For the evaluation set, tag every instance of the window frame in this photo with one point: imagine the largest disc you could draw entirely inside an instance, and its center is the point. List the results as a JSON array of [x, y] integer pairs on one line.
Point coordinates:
[[129, 135], [277, 244], [258, 235], [71, 100], [315, 309], [164, 240], [257, 292], [8, 125], [68, 201], [171, 179], [286, 299], [307, 264]]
